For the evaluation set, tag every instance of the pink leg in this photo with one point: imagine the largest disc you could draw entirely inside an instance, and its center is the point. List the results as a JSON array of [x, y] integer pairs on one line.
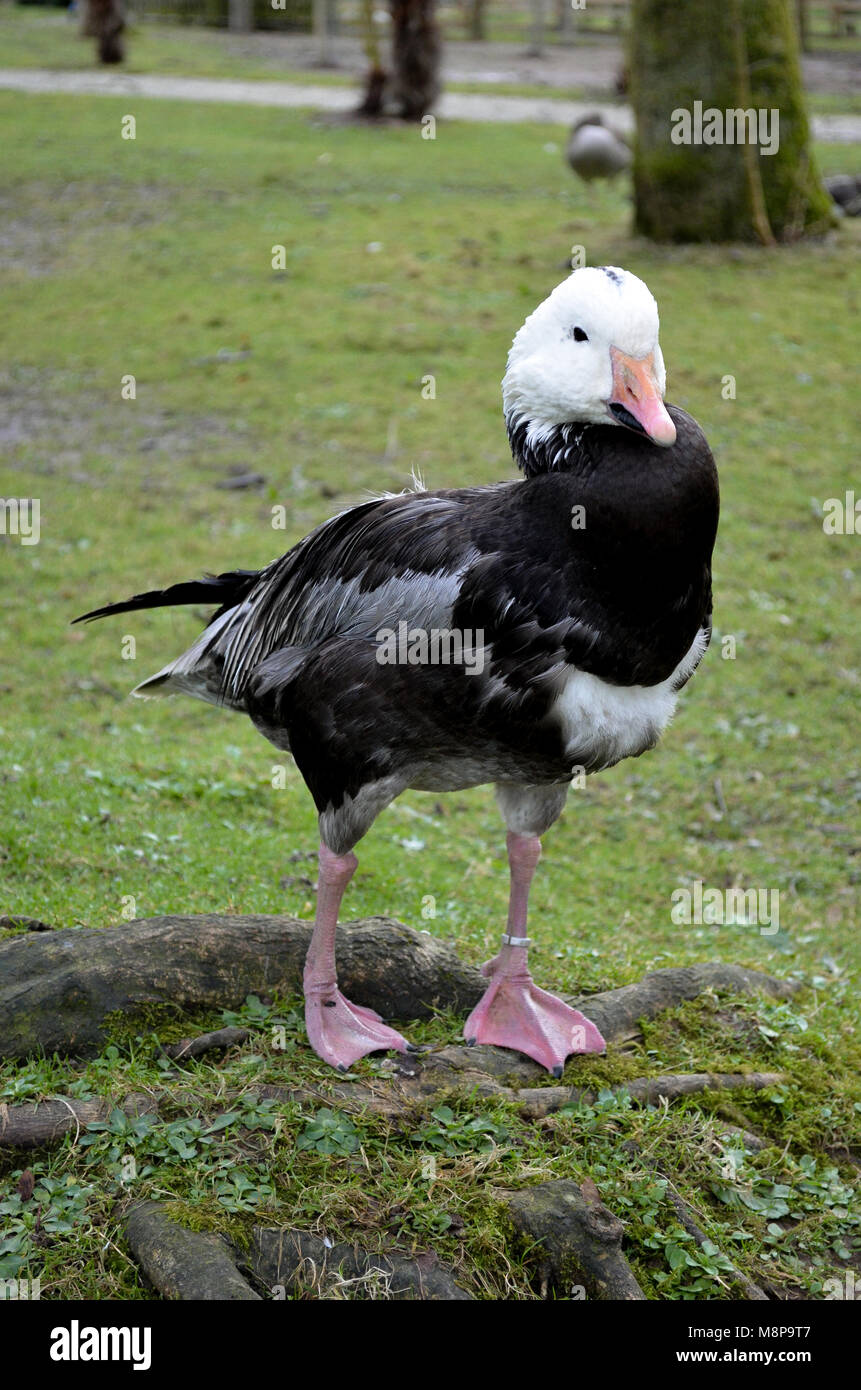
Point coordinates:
[[514, 1012], [338, 1031]]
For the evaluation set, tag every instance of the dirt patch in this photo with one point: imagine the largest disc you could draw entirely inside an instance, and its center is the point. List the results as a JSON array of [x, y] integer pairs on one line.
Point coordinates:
[[52, 423]]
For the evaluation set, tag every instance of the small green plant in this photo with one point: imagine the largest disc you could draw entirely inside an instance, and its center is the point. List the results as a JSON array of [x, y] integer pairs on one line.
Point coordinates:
[[329, 1133], [240, 1189], [452, 1134], [56, 1207], [152, 1141], [694, 1269]]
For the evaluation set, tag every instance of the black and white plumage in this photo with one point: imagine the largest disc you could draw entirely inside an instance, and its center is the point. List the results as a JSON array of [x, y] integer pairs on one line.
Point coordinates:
[[587, 585]]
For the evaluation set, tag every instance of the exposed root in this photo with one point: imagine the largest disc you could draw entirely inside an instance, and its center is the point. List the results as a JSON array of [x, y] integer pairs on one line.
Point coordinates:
[[31, 1126], [645, 1090], [218, 1041], [183, 1264], [290, 1259], [688, 1221], [572, 1240]]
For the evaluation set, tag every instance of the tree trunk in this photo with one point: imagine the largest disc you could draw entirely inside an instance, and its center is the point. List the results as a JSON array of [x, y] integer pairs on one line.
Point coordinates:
[[240, 16], [476, 25], [376, 79], [536, 29], [104, 20], [700, 176], [416, 52], [321, 25]]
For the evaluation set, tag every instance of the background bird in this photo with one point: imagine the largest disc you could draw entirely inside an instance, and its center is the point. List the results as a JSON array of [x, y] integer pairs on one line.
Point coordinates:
[[594, 151], [845, 190], [580, 598]]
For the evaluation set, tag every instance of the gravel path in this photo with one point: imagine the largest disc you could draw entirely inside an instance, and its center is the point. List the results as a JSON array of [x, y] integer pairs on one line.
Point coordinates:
[[454, 105]]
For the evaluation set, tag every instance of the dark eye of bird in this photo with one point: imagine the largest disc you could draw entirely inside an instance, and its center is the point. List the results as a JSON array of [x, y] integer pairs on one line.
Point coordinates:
[[578, 335]]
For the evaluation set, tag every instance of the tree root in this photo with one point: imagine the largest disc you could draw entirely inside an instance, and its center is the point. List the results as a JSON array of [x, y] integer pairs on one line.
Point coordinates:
[[645, 1090], [688, 1221], [218, 1041], [572, 1239], [293, 1259], [424, 1079], [57, 989], [183, 1264], [617, 1011], [31, 1126]]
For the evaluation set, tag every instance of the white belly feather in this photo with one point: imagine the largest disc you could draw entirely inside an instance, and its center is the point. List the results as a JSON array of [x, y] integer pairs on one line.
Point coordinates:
[[604, 723]]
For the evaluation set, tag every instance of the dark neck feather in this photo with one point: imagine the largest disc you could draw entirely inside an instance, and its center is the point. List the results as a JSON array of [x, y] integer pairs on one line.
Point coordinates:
[[563, 451]]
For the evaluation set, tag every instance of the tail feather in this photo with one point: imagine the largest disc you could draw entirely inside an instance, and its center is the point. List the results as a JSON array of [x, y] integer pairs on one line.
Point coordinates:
[[197, 671], [227, 589]]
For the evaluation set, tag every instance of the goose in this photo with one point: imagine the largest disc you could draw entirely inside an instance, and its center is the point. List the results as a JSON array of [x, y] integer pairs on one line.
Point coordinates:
[[845, 192], [573, 603], [595, 151]]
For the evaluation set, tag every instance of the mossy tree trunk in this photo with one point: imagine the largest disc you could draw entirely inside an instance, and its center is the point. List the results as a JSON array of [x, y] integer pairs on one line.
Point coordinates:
[[728, 190]]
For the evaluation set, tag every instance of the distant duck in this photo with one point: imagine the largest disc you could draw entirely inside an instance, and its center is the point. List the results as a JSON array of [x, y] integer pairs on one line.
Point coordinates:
[[595, 151], [574, 604]]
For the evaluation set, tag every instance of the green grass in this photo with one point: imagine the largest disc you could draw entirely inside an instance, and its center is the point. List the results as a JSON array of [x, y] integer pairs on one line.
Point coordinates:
[[31, 36], [147, 257]]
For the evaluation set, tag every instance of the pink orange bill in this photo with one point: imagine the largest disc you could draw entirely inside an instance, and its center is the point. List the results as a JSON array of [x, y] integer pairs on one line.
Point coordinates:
[[636, 394]]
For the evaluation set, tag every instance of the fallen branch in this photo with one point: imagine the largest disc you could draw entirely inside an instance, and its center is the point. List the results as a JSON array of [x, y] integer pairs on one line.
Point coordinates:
[[45, 1122], [572, 1239], [291, 1259], [183, 1264], [218, 1041]]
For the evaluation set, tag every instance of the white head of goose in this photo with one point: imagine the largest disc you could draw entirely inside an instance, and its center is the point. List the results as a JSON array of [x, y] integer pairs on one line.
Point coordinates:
[[589, 355], [545, 627]]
